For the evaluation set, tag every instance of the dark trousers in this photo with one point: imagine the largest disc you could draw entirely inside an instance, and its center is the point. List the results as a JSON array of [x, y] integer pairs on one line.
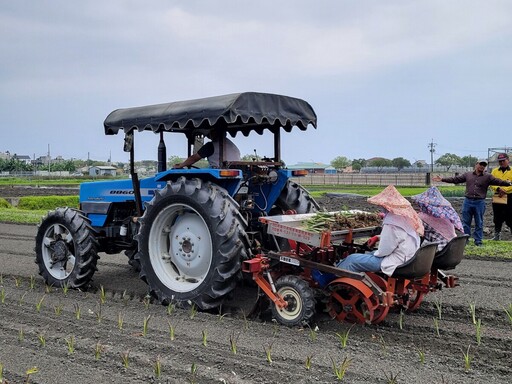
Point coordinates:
[[502, 213]]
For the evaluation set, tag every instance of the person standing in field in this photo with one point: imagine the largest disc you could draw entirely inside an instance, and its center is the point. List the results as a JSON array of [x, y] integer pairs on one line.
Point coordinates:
[[502, 198], [477, 183]]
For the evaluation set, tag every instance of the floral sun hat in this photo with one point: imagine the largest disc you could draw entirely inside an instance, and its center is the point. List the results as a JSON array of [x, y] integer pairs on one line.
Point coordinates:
[[433, 203], [395, 203]]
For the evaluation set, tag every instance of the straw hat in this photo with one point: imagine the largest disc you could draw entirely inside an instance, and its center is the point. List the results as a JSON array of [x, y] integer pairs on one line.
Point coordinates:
[[395, 203], [433, 203]]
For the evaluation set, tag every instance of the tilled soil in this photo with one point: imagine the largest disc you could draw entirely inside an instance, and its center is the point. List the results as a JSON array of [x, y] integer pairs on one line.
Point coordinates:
[[90, 348]]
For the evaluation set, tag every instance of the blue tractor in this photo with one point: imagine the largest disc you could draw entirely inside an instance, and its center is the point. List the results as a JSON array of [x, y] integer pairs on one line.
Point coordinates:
[[186, 230]]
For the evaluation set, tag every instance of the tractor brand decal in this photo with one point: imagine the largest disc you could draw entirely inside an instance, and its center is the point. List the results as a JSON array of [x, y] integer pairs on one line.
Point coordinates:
[[122, 192]]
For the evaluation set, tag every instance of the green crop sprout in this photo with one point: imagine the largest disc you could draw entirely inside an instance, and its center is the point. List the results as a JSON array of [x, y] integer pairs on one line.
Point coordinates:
[[146, 301], [341, 370], [98, 349], [233, 341], [21, 335], [32, 283], [2, 296], [22, 299], [467, 359], [478, 327], [17, 281], [204, 334], [39, 304], [421, 354], [76, 306], [343, 337], [120, 320], [70, 342], [439, 306], [58, 308], [193, 311], [145, 324], [472, 311], [391, 378], [268, 352], [103, 295], [172, 335], [170, 308], [157, 367], [1, 373], [508, 312], [65, 288], [307, 364], [125, 358], [436, 325], [42, 339]]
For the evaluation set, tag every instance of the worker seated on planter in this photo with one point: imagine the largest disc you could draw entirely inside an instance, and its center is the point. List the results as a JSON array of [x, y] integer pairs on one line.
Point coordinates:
[[438, 216], [399, 239]]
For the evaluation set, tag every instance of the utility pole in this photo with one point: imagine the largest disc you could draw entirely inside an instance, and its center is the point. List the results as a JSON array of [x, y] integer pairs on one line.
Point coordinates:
[[432, 145]]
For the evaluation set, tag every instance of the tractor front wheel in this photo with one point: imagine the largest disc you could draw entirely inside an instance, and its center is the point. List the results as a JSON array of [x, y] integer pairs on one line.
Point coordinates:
[[66, 249], [300, 300]]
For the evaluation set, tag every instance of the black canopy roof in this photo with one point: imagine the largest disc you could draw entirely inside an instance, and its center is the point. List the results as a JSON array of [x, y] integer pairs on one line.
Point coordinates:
[[238, 112]]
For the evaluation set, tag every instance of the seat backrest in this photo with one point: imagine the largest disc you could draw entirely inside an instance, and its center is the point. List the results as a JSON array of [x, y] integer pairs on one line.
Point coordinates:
[[452, 254], [419, 265]]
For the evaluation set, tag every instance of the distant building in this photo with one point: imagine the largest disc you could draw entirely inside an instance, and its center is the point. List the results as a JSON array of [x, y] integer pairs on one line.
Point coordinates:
[[311, 167], [102, 170]]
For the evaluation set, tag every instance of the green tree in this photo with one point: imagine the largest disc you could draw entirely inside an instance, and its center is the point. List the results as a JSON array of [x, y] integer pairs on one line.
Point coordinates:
[[400, 163], [251, 157], [448, 160], [172, 160], [340, 162], [467, 161], [357, 164], [380, 163]]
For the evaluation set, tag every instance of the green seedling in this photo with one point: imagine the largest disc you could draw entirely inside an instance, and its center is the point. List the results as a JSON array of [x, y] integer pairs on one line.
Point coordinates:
[[391, 378], [193, 373], [439, 306], [436, 325], [313, 333], [42, 339], [421, 354], [172, 335], [70, 342], [98, 313], [1, 373], [125, 358], [146, 301], [383, 344], [193, 311], [2, 296], [29, 372], [341, 370], [58, 309], [401, 319], [246, 321], [32, 283], [125, 298], [98, 349], [204, 334], [103, 295], [472, 311], [170, 308], [76, 306], [233, 341], [307, 364], [48, 288], [268, 352], [145, 324], [157, 367], [508, 312], [467, 359], [21, 335], [343, 337], [275, 328], [120, 320], [17, 281], [478, 327], [22, 299], [65, 288]]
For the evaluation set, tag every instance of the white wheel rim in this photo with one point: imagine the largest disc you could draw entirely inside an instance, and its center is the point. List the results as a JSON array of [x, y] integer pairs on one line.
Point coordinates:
[[57, 236], [180, 248], [294, 300]]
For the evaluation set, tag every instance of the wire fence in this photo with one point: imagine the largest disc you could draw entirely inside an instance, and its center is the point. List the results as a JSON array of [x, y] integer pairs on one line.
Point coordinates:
[[398, 179]]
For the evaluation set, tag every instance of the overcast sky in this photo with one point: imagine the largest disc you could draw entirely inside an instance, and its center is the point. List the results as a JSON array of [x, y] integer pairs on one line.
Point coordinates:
[[384, 77]]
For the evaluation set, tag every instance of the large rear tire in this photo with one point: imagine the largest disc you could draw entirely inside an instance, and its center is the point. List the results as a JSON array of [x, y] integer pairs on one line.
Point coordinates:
[[66, 249], [191, 243]]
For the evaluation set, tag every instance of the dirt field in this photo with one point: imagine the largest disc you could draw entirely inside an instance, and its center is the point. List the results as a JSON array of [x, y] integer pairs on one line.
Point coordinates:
[[376, 353]]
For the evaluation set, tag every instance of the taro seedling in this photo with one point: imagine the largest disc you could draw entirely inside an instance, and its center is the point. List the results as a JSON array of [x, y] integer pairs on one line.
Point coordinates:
[[157, 367], [268, 352], [125, 358], [48, 288], [97, 350], [170, 308], [42, 339], [120, 320], [421, 354], [307, 363], [313, 333], [21, 335], [233, 341], [32, 283], [103, 295], [439, 306], [70, 342], [145, 324], [22, 299], [472, 311], [436, 325], [341, 370], [478, 327], [391, 378], [1, 373], [146, 301], [343, 337], [125, 298], [58, 309], [2, 295], [29, 373], [193, 373], [17, 282], [508, 312], [171, 331], [204, 334], [65, 288], [77, 310], [467, 359], [193, 311]]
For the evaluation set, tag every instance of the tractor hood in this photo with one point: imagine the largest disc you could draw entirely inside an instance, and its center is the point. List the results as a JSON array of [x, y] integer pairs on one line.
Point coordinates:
[[238, 112]]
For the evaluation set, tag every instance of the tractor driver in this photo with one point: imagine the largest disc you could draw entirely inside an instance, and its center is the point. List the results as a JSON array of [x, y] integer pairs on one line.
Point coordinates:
[[211, 151]]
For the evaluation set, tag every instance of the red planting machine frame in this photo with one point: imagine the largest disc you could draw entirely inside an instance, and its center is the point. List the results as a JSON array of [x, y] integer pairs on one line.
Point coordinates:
[[294, 280]]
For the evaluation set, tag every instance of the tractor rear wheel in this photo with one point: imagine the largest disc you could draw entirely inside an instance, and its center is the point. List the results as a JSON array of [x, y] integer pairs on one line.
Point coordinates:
[[191, 242], [66, 249], [300, 298]]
